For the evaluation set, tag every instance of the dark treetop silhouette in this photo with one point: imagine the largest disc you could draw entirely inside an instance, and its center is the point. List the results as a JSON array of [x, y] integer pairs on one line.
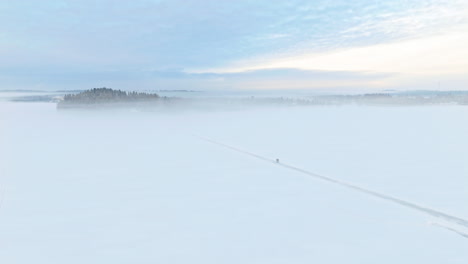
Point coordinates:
[[105, 96]]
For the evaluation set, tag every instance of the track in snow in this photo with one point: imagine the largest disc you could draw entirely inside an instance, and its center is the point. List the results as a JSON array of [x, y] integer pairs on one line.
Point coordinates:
[[465, 235], [432, 212]]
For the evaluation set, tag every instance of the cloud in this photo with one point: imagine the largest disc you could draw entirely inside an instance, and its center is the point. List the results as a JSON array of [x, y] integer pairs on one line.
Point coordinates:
[[426, 39], [97, 39], [279, 78], [196, 34], [442, 54], [428, 45]]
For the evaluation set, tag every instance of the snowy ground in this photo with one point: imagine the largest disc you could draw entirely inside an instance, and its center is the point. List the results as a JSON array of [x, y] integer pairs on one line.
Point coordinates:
[[130, 187]]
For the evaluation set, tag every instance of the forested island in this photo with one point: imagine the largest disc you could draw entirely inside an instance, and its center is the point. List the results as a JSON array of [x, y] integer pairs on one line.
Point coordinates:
[[107, 97]]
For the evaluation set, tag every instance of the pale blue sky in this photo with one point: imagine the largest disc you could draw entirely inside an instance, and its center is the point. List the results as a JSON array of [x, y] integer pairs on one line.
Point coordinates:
[[148, 44]]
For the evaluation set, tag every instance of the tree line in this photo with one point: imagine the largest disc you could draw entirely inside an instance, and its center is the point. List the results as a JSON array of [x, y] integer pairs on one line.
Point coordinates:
[[108, 95]]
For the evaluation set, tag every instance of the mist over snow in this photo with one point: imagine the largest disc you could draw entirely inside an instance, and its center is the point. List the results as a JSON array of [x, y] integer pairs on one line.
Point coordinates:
[[141, 187]]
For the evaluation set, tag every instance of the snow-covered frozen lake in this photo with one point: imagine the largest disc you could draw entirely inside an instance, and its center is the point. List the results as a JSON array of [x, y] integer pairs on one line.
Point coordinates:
[[132, 187]]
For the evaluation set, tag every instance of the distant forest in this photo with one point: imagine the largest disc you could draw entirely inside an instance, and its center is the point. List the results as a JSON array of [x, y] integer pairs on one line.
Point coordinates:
[[107, 95]]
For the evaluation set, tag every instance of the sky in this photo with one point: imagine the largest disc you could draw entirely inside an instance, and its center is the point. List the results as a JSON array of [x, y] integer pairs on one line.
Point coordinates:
[[219, 45]]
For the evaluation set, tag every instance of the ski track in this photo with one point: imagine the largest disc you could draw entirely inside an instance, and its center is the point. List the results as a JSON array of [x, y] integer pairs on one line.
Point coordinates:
[[465, 235], [432, 212]]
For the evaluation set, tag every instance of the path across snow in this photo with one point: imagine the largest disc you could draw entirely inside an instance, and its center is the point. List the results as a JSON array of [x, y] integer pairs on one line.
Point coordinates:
[[430, 211]]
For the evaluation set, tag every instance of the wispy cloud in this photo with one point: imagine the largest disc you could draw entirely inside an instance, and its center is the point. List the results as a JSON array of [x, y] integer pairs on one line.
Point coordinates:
[[225, 36], [423, 43]]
